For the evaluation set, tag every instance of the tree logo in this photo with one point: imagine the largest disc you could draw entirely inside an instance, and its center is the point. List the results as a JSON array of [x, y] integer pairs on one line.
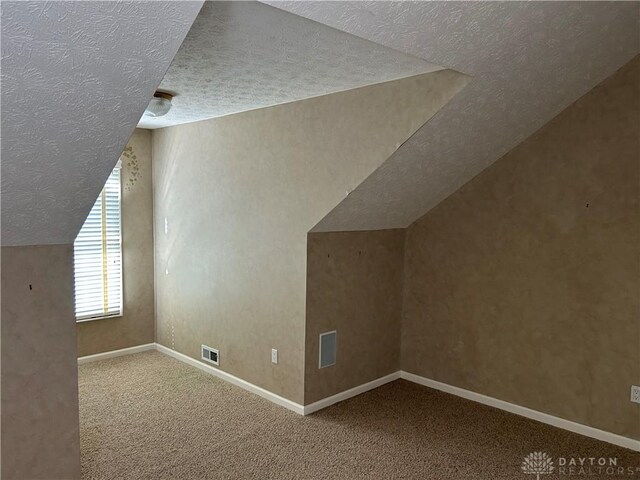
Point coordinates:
[[537, 463]]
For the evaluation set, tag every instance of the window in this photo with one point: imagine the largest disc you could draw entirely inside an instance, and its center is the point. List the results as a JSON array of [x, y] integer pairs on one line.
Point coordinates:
[[97, 256]]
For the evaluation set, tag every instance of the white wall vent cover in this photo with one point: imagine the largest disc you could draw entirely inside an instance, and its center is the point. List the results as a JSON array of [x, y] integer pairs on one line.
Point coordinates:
[[328, 347], [210, 355]]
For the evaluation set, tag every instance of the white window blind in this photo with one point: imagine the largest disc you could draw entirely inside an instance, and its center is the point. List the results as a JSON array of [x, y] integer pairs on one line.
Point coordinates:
[[97, 256]]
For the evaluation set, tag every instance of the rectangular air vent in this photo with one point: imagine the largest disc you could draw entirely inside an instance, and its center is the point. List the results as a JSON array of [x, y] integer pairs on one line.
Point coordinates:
[[210, 355], [328, 347]]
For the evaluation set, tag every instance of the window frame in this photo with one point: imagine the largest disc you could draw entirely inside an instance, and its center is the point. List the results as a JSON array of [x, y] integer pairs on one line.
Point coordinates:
[[120, 312]]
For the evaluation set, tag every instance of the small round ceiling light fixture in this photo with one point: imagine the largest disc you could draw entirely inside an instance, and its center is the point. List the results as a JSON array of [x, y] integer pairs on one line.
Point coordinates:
[[159, 105]]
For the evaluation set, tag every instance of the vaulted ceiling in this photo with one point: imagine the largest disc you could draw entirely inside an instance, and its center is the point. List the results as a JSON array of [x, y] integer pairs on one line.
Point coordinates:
[[528, 60], [240, 56], [76, 77]]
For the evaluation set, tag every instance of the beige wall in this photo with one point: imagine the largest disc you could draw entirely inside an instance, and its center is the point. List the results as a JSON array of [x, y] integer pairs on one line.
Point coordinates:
[[354, 286], [40, 431], [136, 325], [239, 194], [524, 284]]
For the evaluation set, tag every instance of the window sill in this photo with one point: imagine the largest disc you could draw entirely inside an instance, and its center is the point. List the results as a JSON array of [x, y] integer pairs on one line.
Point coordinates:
[[92, 319]]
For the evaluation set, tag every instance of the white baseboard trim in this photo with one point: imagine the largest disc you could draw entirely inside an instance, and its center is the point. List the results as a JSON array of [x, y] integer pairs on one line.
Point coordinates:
[[116, 353], [526, 412], [352, 392], [277, 399]]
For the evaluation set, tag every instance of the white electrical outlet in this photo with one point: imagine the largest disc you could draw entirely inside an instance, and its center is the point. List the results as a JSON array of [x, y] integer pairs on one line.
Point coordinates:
[[635, 393], [274, 355]]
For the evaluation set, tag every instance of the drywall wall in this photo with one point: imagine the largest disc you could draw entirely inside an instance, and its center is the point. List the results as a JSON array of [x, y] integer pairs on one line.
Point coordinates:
[[40, 430], [234, 198], [136, 325], [524, 284], [354, 286]]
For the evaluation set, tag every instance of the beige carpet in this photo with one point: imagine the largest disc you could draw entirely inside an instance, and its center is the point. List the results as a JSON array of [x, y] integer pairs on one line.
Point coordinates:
[[148, 416]]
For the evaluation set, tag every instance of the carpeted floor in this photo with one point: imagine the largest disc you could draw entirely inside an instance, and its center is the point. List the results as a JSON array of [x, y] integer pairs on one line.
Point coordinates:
[[148, 416]]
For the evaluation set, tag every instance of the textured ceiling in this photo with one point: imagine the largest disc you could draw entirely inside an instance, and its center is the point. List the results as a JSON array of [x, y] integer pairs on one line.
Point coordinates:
[[76, 76], [529, 60], [244, 55]]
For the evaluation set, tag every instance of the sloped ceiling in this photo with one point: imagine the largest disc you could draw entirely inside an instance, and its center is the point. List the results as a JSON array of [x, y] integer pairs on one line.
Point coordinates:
[[528, 60], [76, 77], [240, 56]]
